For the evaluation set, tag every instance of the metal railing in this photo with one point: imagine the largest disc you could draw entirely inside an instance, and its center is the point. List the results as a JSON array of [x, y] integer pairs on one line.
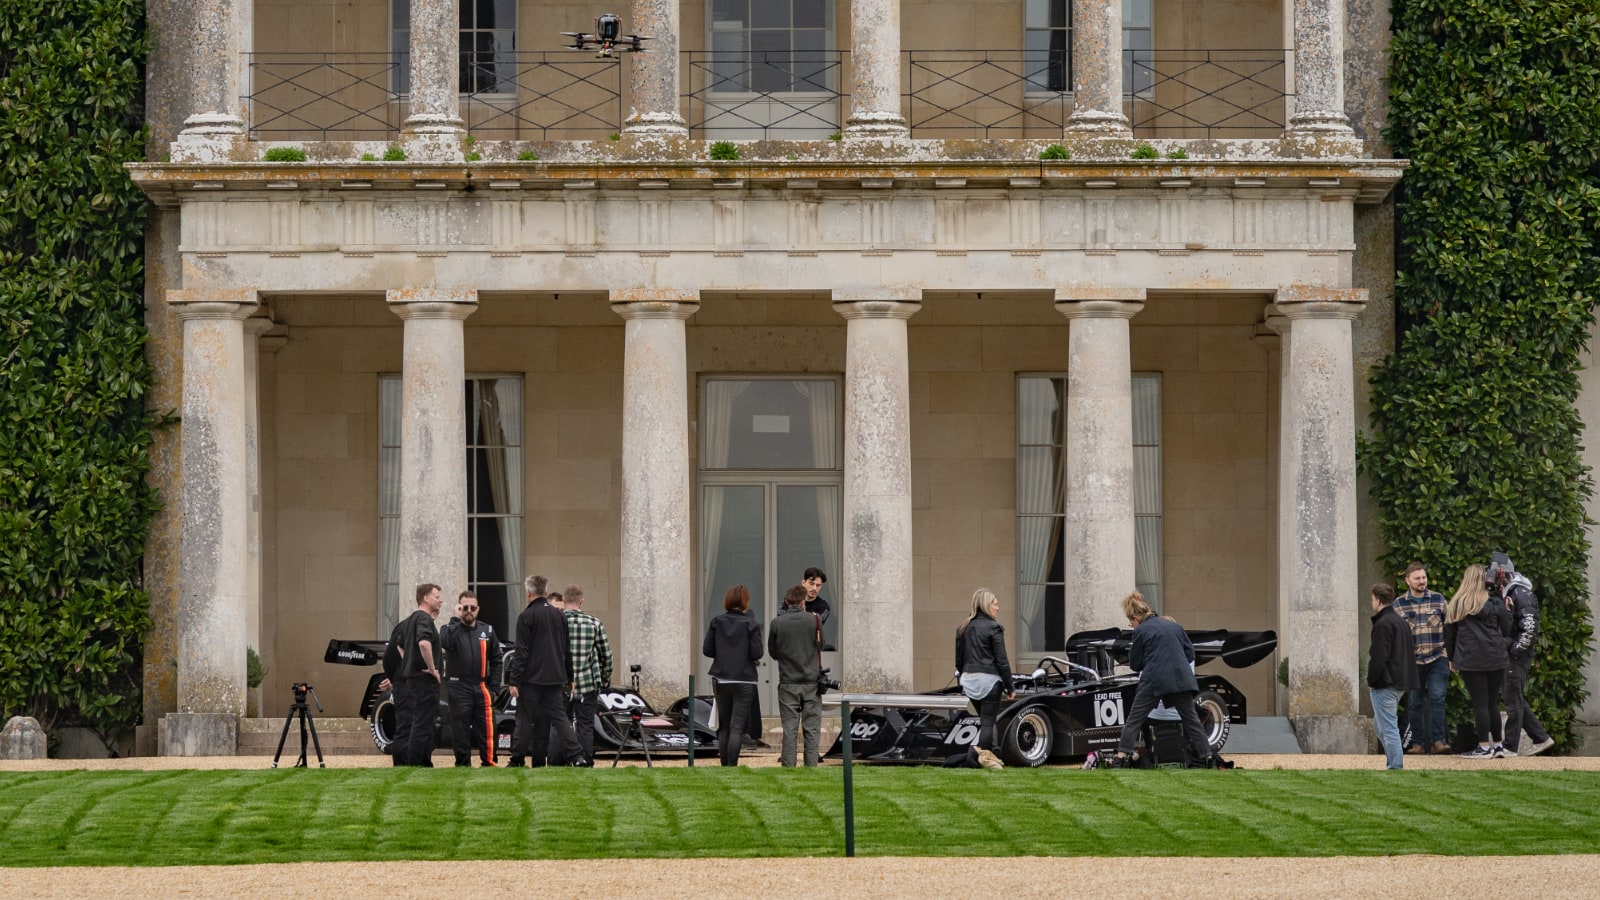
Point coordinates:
[[799, 95]]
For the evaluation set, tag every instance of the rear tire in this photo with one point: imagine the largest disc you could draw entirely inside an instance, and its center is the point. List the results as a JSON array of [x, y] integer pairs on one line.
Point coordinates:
[[1214, 720], [1027, 739], [382, 722]]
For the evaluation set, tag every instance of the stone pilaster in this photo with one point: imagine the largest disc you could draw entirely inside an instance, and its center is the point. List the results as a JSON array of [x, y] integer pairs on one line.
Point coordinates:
[[433, 423], [1097, 69], [1317, 567], [435, 76], [255, 328], [213, 554], [875, 70], [1272, 335], [1318, 69], [657, 563], [876, 596], [1099, 528], [653, 73]]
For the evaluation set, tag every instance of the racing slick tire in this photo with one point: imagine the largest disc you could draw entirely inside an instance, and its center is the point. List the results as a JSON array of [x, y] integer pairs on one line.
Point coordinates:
[[382, 722], [1214, 721], [1027, 738]]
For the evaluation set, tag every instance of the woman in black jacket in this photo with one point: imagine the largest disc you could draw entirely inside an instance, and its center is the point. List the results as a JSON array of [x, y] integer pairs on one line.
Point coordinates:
[[734, 644], [1164, 658], [1475, 630], [985, 674]]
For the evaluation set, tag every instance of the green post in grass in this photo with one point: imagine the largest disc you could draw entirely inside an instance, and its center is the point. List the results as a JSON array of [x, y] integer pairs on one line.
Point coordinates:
[[688, 721], [849, 791]]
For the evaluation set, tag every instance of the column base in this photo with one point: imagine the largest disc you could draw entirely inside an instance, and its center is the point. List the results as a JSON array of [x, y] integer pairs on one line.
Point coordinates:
[[1098, 121], [668, 124], [876, 125], [199, 734], [1346, 735], [1318, 122], [205, 144], [433, 146]]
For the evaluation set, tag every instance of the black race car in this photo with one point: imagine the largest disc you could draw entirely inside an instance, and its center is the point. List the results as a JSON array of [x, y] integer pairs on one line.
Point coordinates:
[[624, 718], [1065, 709]]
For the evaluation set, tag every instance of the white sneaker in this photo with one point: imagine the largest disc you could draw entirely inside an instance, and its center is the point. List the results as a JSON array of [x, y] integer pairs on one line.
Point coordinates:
[[1540, 747]]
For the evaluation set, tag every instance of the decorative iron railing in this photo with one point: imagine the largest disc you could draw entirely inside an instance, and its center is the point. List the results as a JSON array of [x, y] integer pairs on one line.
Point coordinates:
[[788, 95]]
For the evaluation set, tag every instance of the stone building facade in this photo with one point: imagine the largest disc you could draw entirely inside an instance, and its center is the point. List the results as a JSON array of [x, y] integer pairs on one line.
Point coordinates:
[[887, 341]]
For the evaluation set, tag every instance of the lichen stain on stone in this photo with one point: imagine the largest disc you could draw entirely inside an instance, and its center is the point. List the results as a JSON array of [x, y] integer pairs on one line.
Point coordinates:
[[1321, 693]]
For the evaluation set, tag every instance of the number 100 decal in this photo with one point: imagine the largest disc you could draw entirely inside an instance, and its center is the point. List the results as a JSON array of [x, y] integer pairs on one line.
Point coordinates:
[[1108, 709]]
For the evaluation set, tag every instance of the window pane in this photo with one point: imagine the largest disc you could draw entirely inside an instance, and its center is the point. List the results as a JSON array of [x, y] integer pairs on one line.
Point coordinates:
[[732, 547], [730, 13], [769, 14], [389, 411], [808, 535], [1039, 405], [770, 424], [1037, 13], [810, 14], [400, 13], [1147, 410], [389, 481], [1136, 13]]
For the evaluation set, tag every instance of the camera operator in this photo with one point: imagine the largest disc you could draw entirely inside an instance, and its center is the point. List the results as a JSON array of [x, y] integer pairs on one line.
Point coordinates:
[[472, 659], [416, 680], [541, 679], [795, 643]]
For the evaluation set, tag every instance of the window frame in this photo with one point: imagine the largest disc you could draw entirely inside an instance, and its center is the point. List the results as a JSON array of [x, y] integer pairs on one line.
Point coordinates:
[[400, 49], [1131, 65]]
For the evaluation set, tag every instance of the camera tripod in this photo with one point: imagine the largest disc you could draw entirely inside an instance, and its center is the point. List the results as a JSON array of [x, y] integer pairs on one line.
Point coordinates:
[[298, 707]]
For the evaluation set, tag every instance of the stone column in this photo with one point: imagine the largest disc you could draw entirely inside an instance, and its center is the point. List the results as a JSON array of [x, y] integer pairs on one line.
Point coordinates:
[[213, 36], [433, 425], [1097, 69], [213, 555], [657, 564], [1318, 101], [435, 70], [875, 70], [876, 597], [653, 74], [1317, 569], [1099, 529]]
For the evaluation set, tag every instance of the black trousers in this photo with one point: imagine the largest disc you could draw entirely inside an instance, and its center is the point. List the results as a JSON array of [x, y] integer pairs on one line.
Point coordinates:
[[415, 700], [1483, 687], [1519, 715], [1183, 701], [522, 732], [733, 715], [471, 721], [548, 705], [580, 711]]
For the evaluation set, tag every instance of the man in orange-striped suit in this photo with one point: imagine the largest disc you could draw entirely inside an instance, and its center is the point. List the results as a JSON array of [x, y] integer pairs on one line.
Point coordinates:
[[472, 674]]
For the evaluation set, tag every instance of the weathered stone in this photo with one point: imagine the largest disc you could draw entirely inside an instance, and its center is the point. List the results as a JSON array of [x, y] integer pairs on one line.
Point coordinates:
[[1099, 448], [435, 68], [1097, 69], [199, 734], [22, 738], [876, 606], [1345, 735], [875, 68], [653, 74], [1318, 97], [656, 557]]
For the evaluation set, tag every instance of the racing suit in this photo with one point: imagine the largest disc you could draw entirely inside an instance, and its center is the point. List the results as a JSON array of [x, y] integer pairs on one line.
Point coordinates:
[[472, 673], [1524, 635]]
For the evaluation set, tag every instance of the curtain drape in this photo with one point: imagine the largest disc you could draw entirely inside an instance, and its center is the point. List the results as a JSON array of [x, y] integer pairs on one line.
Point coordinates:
[[497, 426], [1041, 487]]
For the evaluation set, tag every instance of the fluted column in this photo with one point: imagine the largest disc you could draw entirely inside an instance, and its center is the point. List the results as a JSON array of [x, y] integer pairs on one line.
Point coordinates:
[[1318, 100], [213, 555], [1099, 443], [215, 35], [876, 595], [875, 70], [657, 579], [1097, 68], [653, 73], [1317, 569], [433, 425], [435, 70]]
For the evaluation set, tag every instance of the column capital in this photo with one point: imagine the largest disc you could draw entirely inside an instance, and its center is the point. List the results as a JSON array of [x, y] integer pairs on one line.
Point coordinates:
[[256, 326], [1099, 302], [882, 307], [432, 303], [655, 303], [1310, 301], [212, 303]]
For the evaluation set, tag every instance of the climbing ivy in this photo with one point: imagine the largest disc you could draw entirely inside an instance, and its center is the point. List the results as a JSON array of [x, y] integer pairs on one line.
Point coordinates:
[[1497, 105], [74, 430]]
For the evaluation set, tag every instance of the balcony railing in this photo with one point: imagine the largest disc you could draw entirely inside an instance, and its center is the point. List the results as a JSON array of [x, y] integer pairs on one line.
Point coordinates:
[[769, 95]]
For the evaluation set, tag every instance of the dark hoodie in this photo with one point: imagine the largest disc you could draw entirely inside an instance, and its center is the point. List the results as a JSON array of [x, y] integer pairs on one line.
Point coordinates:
[[734, 644]]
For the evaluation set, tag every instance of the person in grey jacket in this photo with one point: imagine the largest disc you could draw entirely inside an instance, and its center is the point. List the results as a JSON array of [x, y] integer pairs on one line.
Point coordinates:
[[1164, 658], [733, 641], [794, 641], [1475, 632], [1515, 590]]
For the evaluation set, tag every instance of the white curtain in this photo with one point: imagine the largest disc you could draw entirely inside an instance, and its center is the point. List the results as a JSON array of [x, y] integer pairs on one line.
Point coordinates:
[[717, 435], [1041, 487], [825, 455], [388, 504], [498, 414]]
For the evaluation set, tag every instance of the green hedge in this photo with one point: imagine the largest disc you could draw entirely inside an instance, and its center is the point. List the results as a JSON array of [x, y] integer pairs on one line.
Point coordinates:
[[1497, 105], [74, 431]]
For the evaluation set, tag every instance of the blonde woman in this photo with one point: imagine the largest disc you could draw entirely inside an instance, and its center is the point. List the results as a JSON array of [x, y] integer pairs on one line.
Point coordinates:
[[1475, 631], [985, 672], [1164, 658]]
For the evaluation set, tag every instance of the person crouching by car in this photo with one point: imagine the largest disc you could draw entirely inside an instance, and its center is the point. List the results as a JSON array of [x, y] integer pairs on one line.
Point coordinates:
[[1391, 671], [733, 641], [1164, 658], [985, 674], [794, 641]]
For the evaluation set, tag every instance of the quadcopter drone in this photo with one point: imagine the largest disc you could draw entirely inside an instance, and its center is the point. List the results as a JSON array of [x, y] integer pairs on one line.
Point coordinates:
[[608, 35]]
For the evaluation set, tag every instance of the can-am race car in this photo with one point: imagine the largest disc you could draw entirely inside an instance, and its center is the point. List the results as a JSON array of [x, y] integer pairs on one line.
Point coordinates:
[[614, 724], [1065, 709]]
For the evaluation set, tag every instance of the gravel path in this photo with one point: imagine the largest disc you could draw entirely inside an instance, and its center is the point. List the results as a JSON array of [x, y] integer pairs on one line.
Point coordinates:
[[1400, 876]]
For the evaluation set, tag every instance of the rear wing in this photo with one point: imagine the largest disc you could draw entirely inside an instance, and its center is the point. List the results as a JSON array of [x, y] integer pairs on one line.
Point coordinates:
[[1102, 650], [355, 653]]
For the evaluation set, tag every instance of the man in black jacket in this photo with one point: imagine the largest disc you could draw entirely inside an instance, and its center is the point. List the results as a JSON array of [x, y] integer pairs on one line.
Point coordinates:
[[1514, 590], [522, 734], [472, 666], [416, 683], [1391, 671], [540, 678]]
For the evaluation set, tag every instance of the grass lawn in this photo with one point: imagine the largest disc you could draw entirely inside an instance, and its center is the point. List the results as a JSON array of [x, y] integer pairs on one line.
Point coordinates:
[[228, 817]]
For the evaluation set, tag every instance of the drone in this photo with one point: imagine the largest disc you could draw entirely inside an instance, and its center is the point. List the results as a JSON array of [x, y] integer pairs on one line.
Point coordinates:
[[608, 35]]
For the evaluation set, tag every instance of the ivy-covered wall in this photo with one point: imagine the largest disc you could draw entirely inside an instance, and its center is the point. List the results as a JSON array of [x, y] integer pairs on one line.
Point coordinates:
[[1497, 105], [74, 428]]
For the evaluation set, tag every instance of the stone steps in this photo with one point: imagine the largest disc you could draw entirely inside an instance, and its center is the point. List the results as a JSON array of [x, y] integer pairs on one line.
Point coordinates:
[[338, 737]]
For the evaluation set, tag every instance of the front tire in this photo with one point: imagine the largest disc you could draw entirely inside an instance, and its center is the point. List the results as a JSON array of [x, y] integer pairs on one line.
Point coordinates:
[[382, 722], [1214, 720], [1027, 739]]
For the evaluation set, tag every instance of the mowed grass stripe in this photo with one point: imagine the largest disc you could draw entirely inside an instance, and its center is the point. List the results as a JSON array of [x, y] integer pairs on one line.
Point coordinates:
[[230, 817]]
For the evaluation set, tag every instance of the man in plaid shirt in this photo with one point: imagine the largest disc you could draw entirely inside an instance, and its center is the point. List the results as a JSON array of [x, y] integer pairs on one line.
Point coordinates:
[[1423, 610], [591, 666]]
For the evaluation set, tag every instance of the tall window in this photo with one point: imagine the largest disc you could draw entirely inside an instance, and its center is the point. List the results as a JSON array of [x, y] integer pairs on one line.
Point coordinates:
[[1041, 505], [770, 46], [1047, 40], [488, 36], [493, 457]]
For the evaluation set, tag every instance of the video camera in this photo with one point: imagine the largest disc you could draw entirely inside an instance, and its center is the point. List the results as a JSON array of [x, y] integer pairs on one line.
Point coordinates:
[[826, 684]]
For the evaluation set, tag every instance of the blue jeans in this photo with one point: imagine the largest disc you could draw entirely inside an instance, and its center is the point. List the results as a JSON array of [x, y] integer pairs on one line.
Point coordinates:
[[1425, 705], [1386, 721]]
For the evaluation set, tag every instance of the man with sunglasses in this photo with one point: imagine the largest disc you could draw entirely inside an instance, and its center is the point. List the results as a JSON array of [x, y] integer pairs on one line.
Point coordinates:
[[472, 670]]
